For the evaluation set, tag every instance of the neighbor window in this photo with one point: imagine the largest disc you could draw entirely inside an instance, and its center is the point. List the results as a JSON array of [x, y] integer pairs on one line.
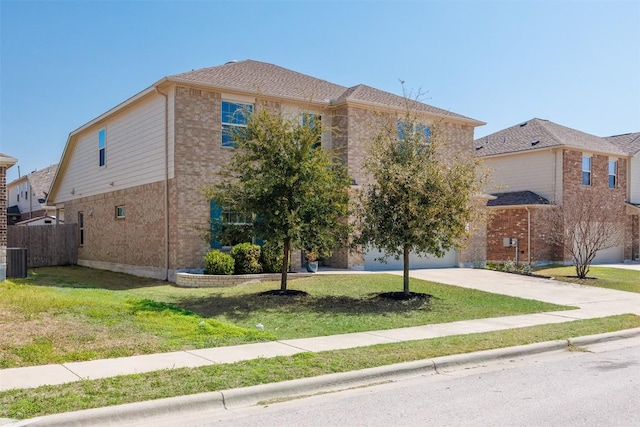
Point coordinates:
[[81, 228], [586, 171], [234, 115], [120, 212], [613, 172], [102, 147]]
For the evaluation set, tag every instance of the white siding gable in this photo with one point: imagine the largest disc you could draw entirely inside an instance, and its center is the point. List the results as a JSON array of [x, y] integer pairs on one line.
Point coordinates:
[[135, 145], [534, 171]]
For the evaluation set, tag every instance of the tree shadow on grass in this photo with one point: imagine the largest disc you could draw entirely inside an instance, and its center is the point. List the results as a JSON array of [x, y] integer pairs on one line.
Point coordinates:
[[240, 307], [85, 278]]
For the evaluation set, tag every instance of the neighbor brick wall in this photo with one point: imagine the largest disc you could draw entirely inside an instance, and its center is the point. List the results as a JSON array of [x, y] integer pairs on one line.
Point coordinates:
[[573, 190], [514, 223]]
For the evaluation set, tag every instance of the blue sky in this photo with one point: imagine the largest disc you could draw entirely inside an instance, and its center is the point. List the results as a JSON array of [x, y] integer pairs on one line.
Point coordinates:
[[576, 63]]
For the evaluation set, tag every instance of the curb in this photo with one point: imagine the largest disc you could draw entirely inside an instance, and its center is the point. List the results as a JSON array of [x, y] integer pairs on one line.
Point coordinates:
[[246, 396]]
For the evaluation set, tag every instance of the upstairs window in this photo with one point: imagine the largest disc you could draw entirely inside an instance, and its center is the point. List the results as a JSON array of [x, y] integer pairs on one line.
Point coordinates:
[[234, 115], [313, 120], [586, 170], [102, 147], [613, 172]]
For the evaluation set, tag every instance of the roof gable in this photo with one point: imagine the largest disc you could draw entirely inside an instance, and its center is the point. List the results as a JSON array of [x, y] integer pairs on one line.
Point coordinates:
[[261, 77], [537, 134]]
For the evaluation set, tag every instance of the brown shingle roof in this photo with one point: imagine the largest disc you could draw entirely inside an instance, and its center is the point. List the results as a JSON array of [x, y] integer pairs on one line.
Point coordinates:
[[517, 198], [268, 79], [40, 182], [538, 133], [255, 76], [628, 142]]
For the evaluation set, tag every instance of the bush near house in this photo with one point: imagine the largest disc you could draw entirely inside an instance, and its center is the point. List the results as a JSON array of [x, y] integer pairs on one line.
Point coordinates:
[[247, 258], [217, 262]]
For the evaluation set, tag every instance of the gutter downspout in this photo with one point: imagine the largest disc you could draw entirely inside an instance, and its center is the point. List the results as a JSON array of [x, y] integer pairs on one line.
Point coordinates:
[[528, 235], [166, 182]]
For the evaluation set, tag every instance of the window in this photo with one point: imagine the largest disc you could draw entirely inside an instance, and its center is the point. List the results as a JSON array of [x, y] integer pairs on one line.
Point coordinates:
[[229, 227], [120, 212], [234, 115], [586, 170], [81, 228], [102, 147], [311, 120], [613, 172]]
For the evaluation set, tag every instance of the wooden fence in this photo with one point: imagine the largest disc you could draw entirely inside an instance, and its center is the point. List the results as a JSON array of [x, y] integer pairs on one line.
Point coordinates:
[[46, 245]]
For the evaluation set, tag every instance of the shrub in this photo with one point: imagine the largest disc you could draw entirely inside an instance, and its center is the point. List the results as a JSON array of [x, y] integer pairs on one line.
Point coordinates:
[[217, 262], [247, 258], [271, 257]]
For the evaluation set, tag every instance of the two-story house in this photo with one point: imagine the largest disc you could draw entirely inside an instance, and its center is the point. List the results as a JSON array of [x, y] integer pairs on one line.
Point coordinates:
[[27, 198], [539, 164], [131, 178]]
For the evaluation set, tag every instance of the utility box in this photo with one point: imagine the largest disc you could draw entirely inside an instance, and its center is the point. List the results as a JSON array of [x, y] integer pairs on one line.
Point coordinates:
[[17, 263], [509, 242]]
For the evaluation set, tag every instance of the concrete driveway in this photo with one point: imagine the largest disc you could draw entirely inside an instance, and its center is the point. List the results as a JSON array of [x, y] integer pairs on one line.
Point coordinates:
[[594, 302]]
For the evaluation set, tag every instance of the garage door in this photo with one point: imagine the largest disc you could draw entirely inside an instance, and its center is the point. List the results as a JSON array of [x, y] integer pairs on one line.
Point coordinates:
[[450, 259], [609, 256]]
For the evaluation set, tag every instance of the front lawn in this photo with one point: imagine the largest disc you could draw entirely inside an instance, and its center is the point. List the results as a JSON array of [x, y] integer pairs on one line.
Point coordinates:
[[602, 277], [73, 313]]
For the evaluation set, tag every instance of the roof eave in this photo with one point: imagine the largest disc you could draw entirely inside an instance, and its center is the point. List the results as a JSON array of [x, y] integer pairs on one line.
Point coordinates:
[[555, 147]]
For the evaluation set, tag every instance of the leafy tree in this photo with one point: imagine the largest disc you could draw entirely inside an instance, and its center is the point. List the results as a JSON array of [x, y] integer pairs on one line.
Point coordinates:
[[297, 191], [420, 195]]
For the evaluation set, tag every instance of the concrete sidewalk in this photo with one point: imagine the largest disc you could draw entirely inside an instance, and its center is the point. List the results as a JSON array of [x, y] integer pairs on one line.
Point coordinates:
[[591, 303]]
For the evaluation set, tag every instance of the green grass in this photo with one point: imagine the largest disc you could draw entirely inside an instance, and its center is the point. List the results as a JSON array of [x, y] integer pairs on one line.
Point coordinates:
[[602, 277], [72, 313], [27, 403]]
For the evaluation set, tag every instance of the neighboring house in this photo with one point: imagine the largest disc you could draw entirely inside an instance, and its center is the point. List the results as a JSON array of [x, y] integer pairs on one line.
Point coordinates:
[[41, 220], [630, 144], [131, 178], [539, 164], [27, 196]]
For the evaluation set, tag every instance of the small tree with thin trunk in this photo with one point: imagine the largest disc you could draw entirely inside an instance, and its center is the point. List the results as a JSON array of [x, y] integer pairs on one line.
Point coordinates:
[[584, 226], [420, 195], [296, 190]]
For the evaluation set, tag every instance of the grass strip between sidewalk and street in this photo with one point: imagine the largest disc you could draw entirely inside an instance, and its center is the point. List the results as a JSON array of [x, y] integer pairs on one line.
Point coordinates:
[[86, 394]]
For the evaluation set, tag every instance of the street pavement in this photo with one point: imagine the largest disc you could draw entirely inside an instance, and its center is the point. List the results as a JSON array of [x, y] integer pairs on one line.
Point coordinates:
[[591, 302]]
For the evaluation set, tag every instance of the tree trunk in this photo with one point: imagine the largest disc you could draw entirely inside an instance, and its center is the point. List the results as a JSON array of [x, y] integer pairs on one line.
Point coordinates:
[[285, 265], [405, 258]]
